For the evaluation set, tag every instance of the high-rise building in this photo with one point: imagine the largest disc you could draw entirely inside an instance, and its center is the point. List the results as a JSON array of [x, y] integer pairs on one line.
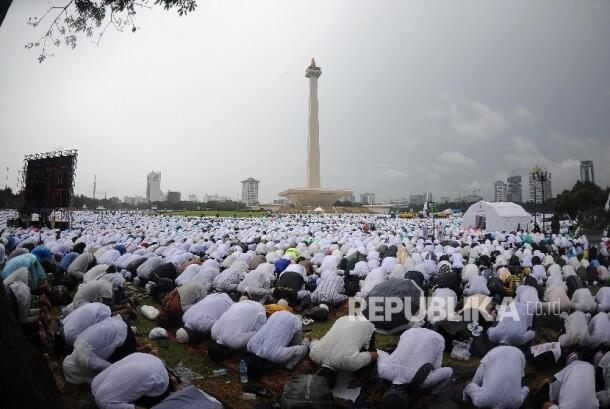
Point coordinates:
[[535, 189], [500, 191], [367, 198], [192, 198], [586, 171], [445, 199], [249, 191], [173, 196], [153, 187], [351, 198], [514, 190]]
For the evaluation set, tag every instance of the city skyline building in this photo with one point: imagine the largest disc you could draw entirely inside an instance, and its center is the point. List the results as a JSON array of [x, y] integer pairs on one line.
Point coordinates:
[[587, 173], [535, 191], [173, 196], [351, 198], [249, 191], [514, 189], [367, 198], [500, 191], [153, 187]]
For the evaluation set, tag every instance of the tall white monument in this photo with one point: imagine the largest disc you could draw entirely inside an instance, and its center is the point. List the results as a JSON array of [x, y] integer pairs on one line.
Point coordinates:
[[313, 194]]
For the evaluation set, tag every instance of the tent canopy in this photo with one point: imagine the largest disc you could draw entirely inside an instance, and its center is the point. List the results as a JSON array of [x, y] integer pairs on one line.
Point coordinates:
[[496, 216]]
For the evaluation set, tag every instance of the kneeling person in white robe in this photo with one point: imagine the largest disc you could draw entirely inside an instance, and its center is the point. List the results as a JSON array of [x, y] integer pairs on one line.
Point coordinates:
[[280, 340], [577, 330], [574, 386], [128, 382], [497, 382], [512, 329], [341, 348], [92, 349], [582, 300], [199, 319], [417, 347], [238, 324]]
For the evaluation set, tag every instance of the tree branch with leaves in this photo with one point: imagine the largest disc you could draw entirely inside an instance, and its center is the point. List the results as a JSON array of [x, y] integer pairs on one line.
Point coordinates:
[[66, 22]]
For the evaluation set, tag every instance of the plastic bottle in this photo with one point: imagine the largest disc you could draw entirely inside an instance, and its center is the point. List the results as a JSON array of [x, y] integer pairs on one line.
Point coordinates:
[[243, 372]]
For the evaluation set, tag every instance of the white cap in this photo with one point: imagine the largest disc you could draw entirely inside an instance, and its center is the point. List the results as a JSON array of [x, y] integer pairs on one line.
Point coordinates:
[[182, 336]]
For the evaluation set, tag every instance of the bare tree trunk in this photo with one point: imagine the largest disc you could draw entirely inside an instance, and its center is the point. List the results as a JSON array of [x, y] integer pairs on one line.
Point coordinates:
[[4, 5]]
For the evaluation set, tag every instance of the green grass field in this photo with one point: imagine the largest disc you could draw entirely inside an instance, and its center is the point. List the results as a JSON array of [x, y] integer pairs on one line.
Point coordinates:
[[217, 213]]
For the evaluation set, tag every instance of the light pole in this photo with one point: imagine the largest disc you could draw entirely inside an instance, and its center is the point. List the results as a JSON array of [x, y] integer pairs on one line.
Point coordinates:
[[540, 176]]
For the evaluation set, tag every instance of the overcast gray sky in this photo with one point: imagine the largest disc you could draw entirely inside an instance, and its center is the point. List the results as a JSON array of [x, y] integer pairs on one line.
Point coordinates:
[[443, 96]]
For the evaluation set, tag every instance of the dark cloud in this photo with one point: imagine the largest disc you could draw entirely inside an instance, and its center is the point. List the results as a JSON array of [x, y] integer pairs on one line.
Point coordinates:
[[444, 96]]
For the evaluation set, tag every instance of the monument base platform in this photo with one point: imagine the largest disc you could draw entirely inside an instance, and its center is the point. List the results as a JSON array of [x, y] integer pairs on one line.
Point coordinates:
[[308, 196]]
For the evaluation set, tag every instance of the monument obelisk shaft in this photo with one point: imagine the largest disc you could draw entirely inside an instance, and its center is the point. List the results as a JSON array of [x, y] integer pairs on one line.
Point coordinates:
[[313, 138], [313, 194]]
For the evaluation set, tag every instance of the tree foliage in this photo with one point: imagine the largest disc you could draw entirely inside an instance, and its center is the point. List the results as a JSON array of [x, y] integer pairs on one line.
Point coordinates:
[[9, 200], [69, 20], [584, 202]]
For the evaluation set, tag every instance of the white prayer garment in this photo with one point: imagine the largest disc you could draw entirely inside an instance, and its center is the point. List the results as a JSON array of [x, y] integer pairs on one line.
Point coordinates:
[[23, 296], [124, 260], [497, 381], [82, 318], [416, 347], [582, 300], [577, 331], [539, 273], [512, 329], [205, 276], [95, 272], [92, 349], [527, 295], [22, 274], [341, 347], [274, 341], [78, 267], [230, 278], [556, 300], [109, 257], [574, 387], [238, 324], [126, 381], [93, 291], [257, 282], [191, 293], [476, 285], [146, 268], [201, 316], [189, 272], [599, 327], [603, 299]]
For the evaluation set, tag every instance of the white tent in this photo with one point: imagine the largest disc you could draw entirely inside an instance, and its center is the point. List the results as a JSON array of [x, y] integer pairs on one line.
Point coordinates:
[[496, 216]]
